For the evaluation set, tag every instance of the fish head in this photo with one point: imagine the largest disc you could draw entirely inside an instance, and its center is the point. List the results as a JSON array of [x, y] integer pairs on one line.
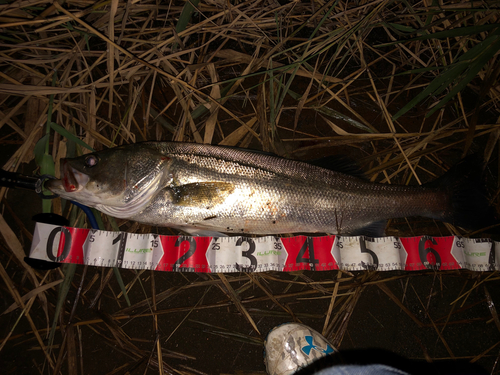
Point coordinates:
[[118, 181]]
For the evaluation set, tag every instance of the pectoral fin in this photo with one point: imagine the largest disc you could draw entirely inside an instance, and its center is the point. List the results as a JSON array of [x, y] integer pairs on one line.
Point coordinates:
[[203, 194]]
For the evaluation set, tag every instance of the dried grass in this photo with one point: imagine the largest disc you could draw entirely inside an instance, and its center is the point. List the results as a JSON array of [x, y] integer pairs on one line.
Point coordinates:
[[301, 79]]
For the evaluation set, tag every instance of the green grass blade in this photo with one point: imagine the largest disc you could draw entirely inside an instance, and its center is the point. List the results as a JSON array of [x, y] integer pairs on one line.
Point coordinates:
[[186, 14], [452, 33], [459, 31], [340, 116], [66, 134], [403, 28], [45, 164], [42, 157], [118, 276], [480, 48], [185, 17], [98, 218], [324, 18], [471, 74], [69, 273], [439, 83], [449, 76]]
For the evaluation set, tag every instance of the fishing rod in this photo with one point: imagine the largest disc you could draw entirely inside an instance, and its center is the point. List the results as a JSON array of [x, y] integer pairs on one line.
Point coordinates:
[[18, 180]]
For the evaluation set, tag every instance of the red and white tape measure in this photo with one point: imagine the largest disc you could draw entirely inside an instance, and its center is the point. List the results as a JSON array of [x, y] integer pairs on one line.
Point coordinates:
[[245, 254]]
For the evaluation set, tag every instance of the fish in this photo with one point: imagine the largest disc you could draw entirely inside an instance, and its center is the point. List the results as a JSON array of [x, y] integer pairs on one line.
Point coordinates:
[[207, 190]]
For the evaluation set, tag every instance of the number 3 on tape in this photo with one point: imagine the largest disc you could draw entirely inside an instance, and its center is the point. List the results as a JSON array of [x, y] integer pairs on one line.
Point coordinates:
[[243, 254]]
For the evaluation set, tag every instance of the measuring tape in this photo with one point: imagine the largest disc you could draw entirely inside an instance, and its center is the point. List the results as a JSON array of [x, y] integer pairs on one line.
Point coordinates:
[[244, 254]]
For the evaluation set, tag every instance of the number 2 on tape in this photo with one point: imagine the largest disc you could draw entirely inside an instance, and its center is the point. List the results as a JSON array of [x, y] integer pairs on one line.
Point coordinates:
[[188, 254]]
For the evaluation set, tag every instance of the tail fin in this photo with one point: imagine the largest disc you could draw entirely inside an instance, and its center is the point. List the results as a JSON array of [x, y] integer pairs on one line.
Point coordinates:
[[469, 205]]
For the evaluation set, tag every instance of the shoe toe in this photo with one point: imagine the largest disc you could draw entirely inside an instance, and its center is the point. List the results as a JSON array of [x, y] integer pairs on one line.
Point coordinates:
[[292, 346]]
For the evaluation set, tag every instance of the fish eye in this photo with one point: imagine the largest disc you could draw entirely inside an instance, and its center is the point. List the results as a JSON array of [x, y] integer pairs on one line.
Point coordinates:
[[91, 161]]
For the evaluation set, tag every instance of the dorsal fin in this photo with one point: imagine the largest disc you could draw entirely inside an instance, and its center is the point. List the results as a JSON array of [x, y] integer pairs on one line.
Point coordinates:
[[339, 163]]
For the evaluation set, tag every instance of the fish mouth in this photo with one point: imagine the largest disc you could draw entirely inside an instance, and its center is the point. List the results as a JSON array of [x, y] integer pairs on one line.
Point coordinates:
[[71, 179]]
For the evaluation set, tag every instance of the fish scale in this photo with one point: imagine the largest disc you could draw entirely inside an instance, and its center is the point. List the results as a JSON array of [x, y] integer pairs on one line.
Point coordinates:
[[204, 189]]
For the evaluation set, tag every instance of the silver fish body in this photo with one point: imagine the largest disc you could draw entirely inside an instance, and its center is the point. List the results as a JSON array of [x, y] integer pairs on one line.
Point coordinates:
[[197, 187]]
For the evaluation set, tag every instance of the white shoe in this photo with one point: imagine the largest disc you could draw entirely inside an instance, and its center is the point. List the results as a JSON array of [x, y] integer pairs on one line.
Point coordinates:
[[292, 346]]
